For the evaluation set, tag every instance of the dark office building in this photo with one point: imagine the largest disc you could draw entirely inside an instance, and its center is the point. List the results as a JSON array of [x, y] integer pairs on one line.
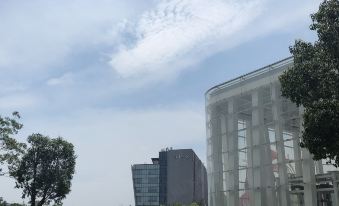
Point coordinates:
[[182, 179]]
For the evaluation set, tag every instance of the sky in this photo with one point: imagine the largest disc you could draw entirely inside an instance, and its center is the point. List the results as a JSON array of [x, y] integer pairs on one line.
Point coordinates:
[[123, 79]]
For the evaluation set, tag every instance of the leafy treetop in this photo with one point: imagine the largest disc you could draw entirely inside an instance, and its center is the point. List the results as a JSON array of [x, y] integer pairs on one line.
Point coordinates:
[[45, 170], [313, 82], [10, 149]]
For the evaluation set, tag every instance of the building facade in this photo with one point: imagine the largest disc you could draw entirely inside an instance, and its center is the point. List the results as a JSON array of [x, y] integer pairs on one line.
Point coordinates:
[[253, 152], [146, 184], [182, 179]]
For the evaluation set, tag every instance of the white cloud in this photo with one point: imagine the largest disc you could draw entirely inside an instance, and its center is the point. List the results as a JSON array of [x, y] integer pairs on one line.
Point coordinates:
[[178, 34], [65, 79], [38, 35], [109, 141]]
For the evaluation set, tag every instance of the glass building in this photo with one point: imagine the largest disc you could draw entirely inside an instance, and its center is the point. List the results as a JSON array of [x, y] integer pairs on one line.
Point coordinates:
[[146, 183], [176, 177], [253, 152]]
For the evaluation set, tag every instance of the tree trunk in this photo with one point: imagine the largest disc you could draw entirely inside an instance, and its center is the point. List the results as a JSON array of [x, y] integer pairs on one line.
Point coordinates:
[[42, 201], [33, 196], [33, 200]]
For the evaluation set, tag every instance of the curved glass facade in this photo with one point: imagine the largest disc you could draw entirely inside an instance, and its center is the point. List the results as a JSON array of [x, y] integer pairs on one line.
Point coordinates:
[[253, 152]]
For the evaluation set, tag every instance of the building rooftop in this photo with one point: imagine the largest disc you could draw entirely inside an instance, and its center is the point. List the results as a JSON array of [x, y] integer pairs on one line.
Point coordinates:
[[277, 66]]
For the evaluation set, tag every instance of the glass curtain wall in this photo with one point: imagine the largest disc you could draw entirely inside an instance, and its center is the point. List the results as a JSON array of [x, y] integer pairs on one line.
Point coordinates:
[[146, 184], [254, 157]]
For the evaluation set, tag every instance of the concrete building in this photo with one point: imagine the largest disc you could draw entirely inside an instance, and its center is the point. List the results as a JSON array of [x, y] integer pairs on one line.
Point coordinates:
[[253, 152], [181, 176]]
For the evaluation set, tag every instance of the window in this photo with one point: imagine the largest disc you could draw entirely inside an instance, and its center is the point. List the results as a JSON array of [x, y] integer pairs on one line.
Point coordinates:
[[153, 199], [138, 199], [138, 189], [153, 189], [153, 172], [137, 172], [153, 180], [138, 180]]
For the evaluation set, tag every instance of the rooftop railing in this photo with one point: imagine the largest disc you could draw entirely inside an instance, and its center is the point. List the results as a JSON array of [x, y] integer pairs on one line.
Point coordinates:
[[250, 75]]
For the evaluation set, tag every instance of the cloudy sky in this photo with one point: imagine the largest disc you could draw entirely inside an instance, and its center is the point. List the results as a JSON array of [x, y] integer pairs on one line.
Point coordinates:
[[123, 79]]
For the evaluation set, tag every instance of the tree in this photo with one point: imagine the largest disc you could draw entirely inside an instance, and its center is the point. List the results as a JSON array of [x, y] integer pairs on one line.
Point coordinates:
[[45, 170], [313, 83], [4, 203], [10, 149], [9, 126]]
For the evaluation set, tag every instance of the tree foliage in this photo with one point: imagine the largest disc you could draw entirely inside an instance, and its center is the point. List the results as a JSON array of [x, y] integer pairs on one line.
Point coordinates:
[[45, 170], [4, 203], [313, 82], [10, 149]]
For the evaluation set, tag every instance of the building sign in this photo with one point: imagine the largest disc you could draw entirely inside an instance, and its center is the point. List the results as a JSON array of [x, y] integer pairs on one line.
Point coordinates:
[[182, 156]]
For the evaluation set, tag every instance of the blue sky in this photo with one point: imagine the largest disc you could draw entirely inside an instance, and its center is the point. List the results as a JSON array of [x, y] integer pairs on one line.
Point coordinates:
[[123, 79]]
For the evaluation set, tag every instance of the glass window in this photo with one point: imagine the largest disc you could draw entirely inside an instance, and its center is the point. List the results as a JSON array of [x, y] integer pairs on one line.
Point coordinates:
[[274, 153], [138, 180], [287, 135], [153, 172], [271, 135], [243, 184], [153, 199], [242, 139], [291, 169], [289, 150], [138, 189], [138, 198], [153, 189], [328, 166], [244, 197], [153, 180], [242, 158]]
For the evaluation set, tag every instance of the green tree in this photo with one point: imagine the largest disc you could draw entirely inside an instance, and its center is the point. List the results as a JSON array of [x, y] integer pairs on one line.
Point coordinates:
[[10, 149], [9, 125], [4, 203], [313, 82], [45, 170]]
